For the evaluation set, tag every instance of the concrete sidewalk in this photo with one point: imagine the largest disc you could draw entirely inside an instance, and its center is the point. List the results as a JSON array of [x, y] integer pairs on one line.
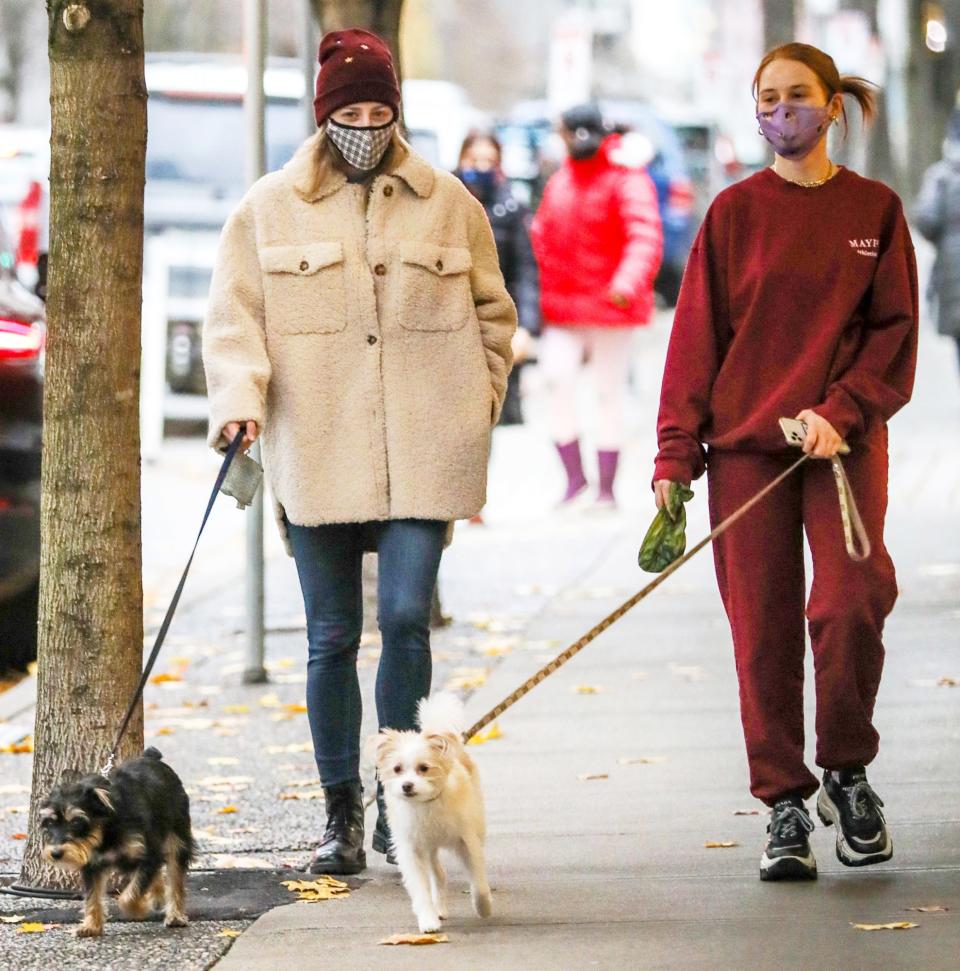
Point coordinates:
[[613, 871]]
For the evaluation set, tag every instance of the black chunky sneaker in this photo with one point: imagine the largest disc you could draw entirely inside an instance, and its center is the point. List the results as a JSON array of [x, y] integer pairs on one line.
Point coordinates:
[[340, 850], [381, 832], [854, 808], [788, 855]]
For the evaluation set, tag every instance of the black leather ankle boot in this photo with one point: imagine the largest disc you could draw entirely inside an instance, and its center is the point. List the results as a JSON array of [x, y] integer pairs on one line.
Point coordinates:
[[381, 833], [341, 848]]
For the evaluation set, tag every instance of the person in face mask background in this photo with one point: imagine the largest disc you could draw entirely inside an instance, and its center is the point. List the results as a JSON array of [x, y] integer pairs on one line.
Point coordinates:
[[479, 170], [598, 242], [799, 300], [358, 317], [936, 213]]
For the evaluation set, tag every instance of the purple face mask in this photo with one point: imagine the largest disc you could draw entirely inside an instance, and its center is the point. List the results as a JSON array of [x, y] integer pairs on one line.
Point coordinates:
[[794, 130]]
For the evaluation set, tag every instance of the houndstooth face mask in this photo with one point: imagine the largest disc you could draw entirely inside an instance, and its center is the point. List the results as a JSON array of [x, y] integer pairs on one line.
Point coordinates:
[[363, 148]]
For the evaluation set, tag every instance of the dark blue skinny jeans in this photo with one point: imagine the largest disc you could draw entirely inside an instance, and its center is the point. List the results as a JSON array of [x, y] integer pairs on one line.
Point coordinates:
[[328, 561]]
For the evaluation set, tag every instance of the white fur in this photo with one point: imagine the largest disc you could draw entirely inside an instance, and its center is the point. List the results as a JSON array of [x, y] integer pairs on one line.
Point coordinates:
[[440, 808]]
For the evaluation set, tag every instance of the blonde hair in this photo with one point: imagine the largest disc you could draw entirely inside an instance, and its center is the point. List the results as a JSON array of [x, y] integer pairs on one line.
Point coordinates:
[[323, 159], [832, 81]]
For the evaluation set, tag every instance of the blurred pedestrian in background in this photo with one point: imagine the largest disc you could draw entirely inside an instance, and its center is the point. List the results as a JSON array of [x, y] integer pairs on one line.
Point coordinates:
[[480, 172], [799, 300], [937, 216], [358, 317], [598, 242]]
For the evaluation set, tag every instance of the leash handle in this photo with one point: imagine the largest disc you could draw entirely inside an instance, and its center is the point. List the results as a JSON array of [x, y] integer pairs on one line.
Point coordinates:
[[850, 514], [228, 457]]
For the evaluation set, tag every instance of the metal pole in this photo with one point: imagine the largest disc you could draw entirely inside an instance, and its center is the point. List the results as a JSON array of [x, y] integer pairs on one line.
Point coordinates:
[[255, 38], [309, 66]]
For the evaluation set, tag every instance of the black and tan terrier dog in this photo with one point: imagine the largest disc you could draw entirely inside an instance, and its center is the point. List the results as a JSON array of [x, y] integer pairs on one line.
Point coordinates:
[[136, 822]]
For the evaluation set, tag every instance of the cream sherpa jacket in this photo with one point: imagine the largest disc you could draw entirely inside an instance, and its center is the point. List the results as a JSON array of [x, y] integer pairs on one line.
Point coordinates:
[[367, 332]]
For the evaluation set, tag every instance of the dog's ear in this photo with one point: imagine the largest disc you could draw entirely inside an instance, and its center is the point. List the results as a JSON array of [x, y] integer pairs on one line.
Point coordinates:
[[443, 742], [378, 746], [97, 792]]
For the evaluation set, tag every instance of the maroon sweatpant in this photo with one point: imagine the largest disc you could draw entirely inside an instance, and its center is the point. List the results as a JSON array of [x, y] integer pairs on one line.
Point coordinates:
[[760, 571]]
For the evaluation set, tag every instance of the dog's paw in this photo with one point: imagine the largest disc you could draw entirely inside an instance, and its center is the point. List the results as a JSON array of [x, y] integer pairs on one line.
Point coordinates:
[[428, 923], [176, 920], [482, 903], [88, 930]]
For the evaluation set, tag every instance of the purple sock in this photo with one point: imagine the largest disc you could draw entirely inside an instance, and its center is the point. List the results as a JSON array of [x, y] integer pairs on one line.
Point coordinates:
[[608, 472], [573, 466]]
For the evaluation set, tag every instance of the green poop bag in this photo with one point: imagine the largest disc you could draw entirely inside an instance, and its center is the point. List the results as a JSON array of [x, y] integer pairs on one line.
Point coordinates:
[[666, 538]]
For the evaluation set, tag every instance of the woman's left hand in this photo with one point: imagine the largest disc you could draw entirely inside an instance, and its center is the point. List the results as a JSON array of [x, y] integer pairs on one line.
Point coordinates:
[[823, 440], [521, 344]]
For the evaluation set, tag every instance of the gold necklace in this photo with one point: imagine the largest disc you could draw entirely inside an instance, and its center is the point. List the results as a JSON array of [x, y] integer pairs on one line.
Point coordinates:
[[813, 184]]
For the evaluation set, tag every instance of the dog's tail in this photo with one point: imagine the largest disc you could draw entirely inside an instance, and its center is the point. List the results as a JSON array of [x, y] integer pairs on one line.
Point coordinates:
[[442, 712], [152, 753]]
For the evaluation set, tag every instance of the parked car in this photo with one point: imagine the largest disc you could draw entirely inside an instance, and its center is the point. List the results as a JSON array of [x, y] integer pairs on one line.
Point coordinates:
[[22, 336], [532, 151]]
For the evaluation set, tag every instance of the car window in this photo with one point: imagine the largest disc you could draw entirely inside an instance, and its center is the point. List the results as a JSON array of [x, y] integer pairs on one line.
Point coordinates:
[[213, 155]]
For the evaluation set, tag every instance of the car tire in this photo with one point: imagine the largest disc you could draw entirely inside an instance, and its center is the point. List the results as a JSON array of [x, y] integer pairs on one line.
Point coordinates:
[[18, 629]]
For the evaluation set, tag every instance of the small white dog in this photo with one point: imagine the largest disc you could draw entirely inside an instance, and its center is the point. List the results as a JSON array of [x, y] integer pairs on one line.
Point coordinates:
[[432, 791]]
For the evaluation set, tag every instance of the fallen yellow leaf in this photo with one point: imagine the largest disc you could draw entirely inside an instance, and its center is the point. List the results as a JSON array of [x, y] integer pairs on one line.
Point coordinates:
[[270, 700], [901, 925], [591, 776], [416, 939], [946, 682], [932, 909], [642, 760], [31, 928], [720, 844], [323, 888], [226, 810], [164, 731], [300, 795], [493, 732], [165, 677], [588, 689], [236, 709], [295, 709], [18, 748], [226, 932], [12, 918]]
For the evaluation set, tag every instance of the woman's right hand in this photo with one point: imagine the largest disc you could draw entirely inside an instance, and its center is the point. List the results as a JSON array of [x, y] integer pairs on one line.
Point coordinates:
[[661, 492], [250, 436]]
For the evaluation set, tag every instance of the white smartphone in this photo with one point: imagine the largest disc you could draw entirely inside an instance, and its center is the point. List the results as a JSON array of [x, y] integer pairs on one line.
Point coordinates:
[[795, 431]]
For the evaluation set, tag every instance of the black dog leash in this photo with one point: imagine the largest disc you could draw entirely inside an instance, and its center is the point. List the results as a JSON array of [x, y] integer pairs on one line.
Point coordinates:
[[231, 452]]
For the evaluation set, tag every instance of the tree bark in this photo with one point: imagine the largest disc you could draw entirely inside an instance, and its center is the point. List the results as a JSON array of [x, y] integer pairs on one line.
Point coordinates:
[[91, 599]]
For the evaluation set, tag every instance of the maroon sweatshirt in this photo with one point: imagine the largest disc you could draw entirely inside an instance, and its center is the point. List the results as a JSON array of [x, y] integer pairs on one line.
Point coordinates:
[[792, 298]]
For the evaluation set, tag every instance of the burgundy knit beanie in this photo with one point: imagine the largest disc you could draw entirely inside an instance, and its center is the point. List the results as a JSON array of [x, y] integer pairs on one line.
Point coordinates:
[[355, 65]]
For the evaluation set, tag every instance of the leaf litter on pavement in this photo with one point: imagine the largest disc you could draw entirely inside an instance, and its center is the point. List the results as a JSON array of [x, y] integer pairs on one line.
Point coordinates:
[[324, 887], [415, 939], [481, 738], [899, 925]]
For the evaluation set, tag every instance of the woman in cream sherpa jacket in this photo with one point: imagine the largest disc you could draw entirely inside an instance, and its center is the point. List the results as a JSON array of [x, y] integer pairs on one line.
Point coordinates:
[[366, 330], [359, 318]]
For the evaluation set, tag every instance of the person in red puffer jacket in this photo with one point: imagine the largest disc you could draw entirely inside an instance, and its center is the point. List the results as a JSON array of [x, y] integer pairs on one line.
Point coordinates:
[[598, 242]]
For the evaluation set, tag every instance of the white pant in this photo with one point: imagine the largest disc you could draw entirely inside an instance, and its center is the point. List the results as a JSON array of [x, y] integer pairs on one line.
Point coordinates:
[[562, 353]]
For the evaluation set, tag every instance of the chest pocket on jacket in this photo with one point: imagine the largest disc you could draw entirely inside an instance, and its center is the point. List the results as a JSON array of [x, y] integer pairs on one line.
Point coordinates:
[[434, 287], [304, 288]]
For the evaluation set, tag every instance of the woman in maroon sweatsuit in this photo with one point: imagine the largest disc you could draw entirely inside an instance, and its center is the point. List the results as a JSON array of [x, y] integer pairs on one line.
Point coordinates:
[[799, 300]]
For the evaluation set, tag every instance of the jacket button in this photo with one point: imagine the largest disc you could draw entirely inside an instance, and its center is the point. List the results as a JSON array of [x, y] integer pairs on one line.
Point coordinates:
[[371, 339], [304, 265], [388, 190], [380, 269], [440, 265]]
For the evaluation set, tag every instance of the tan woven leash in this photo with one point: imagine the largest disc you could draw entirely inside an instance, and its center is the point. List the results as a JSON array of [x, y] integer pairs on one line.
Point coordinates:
[[849, 514]]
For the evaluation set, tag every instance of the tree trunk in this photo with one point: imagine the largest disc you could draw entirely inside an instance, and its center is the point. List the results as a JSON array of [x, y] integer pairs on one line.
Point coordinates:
[[779, 25], [91, 599]]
